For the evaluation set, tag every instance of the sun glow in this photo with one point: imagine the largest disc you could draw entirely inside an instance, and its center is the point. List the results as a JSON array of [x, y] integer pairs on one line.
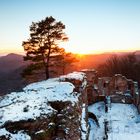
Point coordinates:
[[7, 50], [99, 48]]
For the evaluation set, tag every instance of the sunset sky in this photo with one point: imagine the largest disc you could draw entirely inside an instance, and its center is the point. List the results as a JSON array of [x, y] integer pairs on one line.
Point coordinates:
[[93, 26]]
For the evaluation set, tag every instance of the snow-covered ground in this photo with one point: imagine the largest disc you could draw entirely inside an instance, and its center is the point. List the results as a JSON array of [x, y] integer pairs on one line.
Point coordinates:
[[123, 122]]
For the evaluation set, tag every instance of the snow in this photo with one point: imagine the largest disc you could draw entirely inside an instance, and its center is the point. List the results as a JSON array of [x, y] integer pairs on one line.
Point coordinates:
[[33, 101], [75, 75], [17, 136], [97, 133], [123, 122], [28, 105], [93, 128], [125, 136], [41, 131], [83, 123], [95, 86], [81, 76]]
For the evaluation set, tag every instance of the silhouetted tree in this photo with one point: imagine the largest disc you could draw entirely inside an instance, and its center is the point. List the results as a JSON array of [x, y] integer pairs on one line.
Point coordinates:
[[45, 36], [65, 60], [110, 67]]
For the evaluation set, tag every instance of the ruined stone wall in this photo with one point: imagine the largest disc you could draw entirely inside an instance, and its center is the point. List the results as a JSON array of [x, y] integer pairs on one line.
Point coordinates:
[[92, 88], [92, 76], [121, 89]]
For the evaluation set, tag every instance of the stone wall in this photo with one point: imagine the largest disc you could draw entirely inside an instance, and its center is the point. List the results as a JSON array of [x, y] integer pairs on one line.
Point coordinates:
[[92, 76]]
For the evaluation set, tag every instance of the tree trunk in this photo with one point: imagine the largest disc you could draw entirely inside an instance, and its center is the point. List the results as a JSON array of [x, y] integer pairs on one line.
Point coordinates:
[[47, 65], [47, 71]]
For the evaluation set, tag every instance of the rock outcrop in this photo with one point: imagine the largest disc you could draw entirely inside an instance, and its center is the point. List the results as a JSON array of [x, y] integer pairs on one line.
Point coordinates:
[[49, 110]]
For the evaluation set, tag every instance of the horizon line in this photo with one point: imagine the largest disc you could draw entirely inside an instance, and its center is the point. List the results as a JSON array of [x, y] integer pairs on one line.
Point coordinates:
[[106, 52]]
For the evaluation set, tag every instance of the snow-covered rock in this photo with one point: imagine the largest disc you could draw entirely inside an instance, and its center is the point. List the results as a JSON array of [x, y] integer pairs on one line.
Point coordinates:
[[46, 110]]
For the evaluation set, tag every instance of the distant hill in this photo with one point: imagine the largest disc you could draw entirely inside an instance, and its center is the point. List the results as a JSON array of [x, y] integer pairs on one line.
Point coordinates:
[[11, 62], [11, 67]]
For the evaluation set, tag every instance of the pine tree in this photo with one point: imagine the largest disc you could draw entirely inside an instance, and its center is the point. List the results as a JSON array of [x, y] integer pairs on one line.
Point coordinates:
[[45, 37]]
